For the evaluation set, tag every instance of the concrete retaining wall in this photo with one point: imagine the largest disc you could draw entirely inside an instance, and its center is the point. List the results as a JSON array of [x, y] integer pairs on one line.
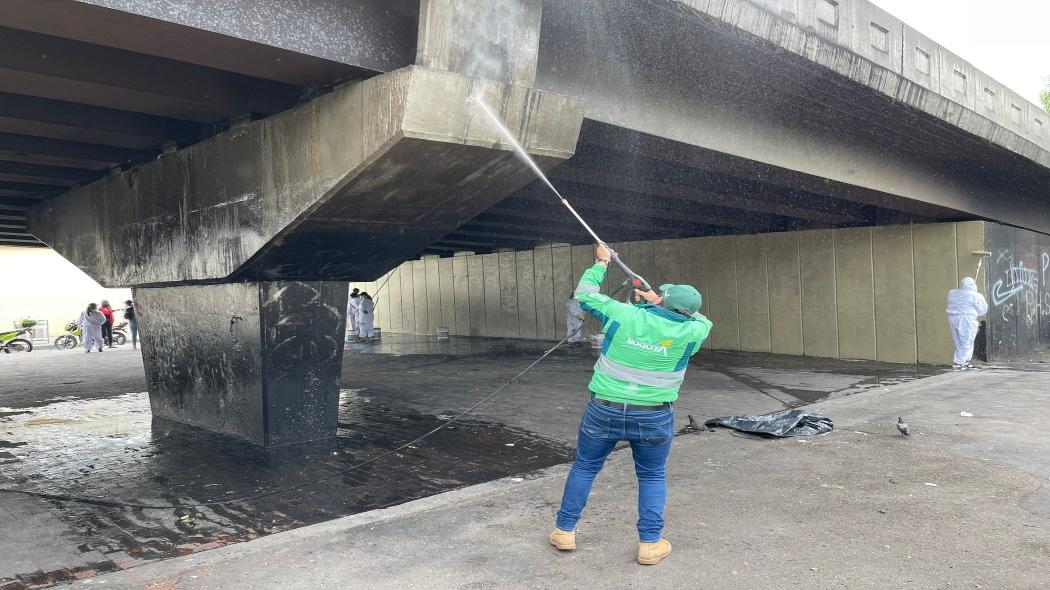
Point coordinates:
[[864, 293]]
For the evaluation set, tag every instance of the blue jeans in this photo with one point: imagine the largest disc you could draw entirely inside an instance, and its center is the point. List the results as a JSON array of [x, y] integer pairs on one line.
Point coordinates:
[[650, 435], [134, 326]]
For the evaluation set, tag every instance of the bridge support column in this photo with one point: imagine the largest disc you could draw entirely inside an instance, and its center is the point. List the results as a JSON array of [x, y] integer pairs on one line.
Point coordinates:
[[259, 361], [482, 39]]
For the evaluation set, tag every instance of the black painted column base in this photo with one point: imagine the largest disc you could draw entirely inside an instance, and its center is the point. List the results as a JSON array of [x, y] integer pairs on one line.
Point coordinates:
[[258, 361]]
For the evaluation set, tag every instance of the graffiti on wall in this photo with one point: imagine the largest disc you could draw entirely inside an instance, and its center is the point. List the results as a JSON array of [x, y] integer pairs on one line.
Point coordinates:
[[1020, 290]]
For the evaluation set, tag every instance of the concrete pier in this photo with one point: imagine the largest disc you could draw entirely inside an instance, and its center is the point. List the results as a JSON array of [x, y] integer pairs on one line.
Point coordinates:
[[258, 361]]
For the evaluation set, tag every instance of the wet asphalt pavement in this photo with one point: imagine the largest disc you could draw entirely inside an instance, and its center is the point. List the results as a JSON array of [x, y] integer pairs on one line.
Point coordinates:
[[79, 425]]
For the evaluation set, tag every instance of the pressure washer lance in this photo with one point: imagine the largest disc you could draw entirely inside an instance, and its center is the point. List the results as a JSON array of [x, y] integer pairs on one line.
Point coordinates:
[[636, 280]]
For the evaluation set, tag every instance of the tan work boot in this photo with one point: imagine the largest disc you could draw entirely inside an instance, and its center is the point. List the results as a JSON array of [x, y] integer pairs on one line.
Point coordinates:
[[563, 540], [653, 553]]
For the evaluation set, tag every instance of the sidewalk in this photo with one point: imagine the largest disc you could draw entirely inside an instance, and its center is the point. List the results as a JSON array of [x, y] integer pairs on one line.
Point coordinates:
[[963, 503]]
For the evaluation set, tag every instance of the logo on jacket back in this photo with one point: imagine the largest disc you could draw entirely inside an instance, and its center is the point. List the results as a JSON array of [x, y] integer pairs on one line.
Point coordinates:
[[660, 348]]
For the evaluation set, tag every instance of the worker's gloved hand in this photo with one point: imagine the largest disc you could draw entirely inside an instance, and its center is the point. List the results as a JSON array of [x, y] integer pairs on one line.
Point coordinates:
[[649, 296], [603, 252]]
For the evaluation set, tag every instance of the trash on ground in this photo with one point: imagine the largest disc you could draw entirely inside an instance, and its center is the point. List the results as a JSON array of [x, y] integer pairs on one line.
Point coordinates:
[[966, 414], [777, 424]]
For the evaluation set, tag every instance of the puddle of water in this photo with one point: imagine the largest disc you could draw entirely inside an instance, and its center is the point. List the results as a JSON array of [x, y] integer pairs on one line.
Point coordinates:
[[113, 449]]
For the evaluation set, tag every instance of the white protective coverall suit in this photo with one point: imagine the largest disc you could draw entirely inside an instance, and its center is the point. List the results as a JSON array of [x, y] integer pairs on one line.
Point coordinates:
[[90, 323], [366, 317], [573, 320], [965, 305], [353, 308]]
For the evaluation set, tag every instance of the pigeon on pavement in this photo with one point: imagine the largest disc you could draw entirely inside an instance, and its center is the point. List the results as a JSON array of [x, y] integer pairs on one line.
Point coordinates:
[[903, 427]]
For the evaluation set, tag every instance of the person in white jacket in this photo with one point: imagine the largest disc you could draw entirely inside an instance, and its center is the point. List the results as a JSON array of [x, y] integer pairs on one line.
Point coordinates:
[[366, 317], [965, 305], [90, 322], [353, 309]]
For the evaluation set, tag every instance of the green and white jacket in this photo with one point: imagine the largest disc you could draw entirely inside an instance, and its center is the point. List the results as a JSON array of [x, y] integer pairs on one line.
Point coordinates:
[[646, 350]]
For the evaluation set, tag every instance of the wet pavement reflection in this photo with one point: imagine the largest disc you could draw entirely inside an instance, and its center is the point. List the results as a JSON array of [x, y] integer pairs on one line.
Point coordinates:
[[113, 449]]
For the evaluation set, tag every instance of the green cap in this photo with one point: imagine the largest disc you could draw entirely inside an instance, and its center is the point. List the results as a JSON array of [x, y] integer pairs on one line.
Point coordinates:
[[683, 298]]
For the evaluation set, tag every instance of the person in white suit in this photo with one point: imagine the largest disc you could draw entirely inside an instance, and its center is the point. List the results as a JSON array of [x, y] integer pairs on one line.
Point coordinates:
[[366, 317], [353, 308], [90, 322], [965, 305]]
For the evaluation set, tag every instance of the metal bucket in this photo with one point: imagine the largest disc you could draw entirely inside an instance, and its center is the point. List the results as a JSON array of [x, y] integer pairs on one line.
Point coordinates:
[[443, 333], [598, 340], [377, 333]]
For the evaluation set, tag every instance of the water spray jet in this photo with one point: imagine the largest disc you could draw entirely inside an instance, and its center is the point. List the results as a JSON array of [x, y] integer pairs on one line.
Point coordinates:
[[636, 280]]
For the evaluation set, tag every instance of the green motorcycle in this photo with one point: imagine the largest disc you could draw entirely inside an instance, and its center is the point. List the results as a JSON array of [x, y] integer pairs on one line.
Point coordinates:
[[71, 339], [74, 336], [12, 341]]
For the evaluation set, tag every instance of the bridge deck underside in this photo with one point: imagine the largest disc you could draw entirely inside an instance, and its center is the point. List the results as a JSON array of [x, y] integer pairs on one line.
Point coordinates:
[[632, 186], [87, 90], [657, 84]]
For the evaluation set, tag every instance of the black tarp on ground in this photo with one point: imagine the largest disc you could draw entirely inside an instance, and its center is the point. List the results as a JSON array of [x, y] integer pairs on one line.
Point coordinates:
[[782, 423]]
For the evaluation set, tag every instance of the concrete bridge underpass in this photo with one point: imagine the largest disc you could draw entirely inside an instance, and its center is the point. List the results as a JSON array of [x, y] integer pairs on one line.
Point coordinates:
[[238, 165]]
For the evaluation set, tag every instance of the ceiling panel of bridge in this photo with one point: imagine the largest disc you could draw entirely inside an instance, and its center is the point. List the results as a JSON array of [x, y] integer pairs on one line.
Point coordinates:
[[632, 186], [77, 101]]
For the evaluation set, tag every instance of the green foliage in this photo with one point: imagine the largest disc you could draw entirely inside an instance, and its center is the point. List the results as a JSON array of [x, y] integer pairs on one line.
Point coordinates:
[[1044, 96], [28, 323]]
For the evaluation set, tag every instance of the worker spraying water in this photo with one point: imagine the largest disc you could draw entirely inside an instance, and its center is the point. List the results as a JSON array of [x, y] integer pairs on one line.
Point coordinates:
[[634, 386]]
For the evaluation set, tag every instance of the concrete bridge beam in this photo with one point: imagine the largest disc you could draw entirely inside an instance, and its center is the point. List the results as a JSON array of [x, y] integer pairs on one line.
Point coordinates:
[[341, 188]]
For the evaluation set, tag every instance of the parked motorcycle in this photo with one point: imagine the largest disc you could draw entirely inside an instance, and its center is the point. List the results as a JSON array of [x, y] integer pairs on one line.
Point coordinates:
[[13, 340], [74, 336], [71, 339], [120, 334]]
